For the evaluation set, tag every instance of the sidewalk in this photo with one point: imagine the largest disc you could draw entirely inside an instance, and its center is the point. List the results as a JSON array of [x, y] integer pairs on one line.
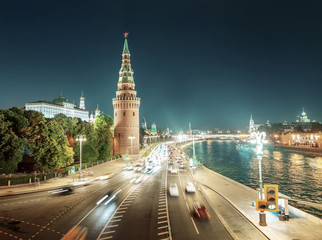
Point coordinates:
[[56, 183], [300, 225]]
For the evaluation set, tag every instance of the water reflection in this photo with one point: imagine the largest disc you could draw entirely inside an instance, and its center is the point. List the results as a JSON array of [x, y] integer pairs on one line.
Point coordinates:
[[297, 175]]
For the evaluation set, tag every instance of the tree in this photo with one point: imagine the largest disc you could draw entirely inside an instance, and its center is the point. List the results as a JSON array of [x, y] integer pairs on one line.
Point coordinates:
[[68, 124], [104, 128], [18, 120], [47, 142], [11, 146]]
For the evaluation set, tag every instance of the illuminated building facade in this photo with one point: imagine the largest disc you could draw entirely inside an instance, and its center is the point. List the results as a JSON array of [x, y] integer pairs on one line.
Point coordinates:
[[59, 105], [126, 108]]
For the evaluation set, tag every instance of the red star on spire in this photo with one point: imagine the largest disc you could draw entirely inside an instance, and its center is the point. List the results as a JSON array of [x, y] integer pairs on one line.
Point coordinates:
[[126, 34]]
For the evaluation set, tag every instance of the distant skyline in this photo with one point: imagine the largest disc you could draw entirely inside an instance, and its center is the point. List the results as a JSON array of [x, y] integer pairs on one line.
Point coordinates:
[[211, 63]]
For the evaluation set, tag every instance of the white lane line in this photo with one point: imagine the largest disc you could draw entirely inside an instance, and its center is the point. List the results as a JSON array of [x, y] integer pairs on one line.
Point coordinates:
[[184, 195], [120, 211], [116, 220], [109, 232], [162, 222], [118, 216], [162, 213], [188, 207], [162, 227], [162, 217], [112, 226], [162, 209], [126, 204], [180, 180], [163, 233], [122, 208], [106, 226], [194, 224], [106, 238]]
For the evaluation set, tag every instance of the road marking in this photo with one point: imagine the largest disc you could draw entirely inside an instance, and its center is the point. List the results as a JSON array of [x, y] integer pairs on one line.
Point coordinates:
[[109, 237], [184, 195], [188, 207], [162, 209], [163, 233], [118, 216], [162, 227], [126, 204], [122, 208], [162, 222], [109, 232], [180, 180], [162, 217], [162, 213], [120, 211], [194, 224], [116, 220], [112, 226]]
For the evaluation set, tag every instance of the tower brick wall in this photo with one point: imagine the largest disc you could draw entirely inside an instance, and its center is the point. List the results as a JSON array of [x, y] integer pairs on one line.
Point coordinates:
[[126, 109]]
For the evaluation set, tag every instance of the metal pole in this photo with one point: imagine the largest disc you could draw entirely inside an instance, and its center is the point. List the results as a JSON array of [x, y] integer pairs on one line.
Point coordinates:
[[260, 176], [80, 164], [131, 151]]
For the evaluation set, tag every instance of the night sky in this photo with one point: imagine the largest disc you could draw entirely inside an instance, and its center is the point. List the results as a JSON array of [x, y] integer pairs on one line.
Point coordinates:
[[211, 63]]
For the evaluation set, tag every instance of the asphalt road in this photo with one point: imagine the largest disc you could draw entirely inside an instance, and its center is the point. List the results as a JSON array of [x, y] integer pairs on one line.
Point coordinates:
[[140, 210]]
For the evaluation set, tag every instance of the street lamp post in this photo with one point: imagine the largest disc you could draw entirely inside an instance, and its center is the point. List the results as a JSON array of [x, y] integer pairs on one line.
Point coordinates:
[[259, 139], [131, 138], [80, 139]]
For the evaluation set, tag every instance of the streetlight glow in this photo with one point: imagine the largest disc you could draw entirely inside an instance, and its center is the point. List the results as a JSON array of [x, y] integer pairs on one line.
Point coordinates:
[[131, 138], [80, 139]]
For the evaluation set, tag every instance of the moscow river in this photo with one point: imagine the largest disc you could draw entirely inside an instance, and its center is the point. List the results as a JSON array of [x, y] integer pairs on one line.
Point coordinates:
[[298, 176]]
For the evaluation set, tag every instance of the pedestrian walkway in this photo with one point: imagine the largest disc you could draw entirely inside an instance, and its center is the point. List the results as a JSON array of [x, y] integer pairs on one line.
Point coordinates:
[[300, 226]]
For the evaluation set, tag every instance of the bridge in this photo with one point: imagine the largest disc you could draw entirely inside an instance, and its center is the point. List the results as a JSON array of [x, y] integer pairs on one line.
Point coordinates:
[[212, 136]]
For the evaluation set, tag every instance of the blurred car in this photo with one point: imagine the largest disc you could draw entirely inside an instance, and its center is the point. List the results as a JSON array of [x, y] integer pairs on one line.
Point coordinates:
[[138, 179], [173, 190], [174, 170], [76, 233], [190, 188], [129, 168], [181, 166], [200, 211]]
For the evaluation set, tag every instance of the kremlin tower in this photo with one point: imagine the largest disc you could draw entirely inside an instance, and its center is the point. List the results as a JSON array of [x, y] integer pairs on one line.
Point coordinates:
[[126, 108]]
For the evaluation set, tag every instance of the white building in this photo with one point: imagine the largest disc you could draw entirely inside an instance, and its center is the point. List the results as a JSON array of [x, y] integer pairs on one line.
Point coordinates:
[[304, 118], [59, 105]]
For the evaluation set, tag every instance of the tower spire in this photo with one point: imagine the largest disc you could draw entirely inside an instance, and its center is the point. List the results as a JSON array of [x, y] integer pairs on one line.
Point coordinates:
[[82, 101], [126, 72], [126, 47]]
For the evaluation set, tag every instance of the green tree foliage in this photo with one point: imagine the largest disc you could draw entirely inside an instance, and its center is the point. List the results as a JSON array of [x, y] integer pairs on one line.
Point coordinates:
[[104, 129], [47, 142], [18, 120], [89, 148], [68, 124], [11, 146]]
